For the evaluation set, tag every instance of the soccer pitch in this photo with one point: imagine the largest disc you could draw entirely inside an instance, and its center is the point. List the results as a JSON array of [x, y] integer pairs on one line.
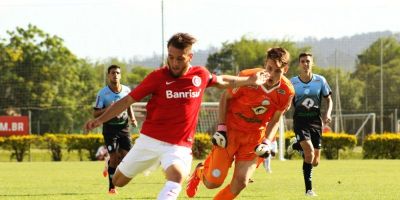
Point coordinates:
[[339, 179]]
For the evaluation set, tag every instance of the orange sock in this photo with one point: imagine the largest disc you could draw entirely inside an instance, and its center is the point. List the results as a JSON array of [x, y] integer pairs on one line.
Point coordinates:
[[225, 194]]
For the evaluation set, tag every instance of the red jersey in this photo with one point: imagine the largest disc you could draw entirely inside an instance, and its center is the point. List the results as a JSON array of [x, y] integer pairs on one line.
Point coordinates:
[[252, 107], [174, 106]]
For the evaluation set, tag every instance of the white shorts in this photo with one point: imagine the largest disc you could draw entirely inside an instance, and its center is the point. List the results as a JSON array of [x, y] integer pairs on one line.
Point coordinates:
[[148, 153]]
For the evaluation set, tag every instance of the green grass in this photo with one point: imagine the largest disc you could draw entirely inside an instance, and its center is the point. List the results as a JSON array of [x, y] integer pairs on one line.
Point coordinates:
[[359, 179]]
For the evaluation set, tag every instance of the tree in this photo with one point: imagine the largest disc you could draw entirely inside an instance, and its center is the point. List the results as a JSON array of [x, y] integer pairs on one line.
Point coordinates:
[[368, 71], [351, 89], [247, 53], [243, 54], [40, 75], [137, 74]]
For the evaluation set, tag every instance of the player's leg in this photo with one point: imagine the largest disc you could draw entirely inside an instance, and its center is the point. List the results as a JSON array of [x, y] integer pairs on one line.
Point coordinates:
[[145, 154], [212, 172], [242, 173], [124, 142], [267, 161], [123, 145], [267, 164], [245, 165], [246, 161], [316, 139], [105, 170], [308, 151], [294, 145], [176, 162], [110, 139]]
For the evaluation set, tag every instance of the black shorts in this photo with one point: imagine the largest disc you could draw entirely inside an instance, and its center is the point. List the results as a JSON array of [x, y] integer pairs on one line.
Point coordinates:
[[307, 131], [117, 137]]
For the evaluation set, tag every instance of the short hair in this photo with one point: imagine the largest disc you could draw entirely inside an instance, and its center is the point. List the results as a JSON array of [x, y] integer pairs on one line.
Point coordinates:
[[112, 67], [181, 41], [304, 54], [278, 54]]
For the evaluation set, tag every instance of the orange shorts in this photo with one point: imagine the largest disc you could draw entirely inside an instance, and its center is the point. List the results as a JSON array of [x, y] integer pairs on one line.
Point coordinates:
[[240, 148]]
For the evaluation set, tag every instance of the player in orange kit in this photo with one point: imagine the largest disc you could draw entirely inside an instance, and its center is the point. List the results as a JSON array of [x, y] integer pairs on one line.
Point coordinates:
[[248, 120]]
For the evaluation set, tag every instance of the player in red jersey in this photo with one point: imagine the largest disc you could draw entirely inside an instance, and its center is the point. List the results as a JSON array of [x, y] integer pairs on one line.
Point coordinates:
[[168, 131], [248, 120]]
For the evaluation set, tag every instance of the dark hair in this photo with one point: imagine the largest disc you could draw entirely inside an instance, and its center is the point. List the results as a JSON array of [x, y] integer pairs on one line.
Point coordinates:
[[304, 54], [279, 54], [181, 41], [112, 67]]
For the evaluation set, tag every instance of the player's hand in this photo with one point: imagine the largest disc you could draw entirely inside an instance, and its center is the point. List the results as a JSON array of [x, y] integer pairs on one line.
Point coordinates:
[[219, 138], [264, 149], [260, 77], [326, 119], [91, 124]]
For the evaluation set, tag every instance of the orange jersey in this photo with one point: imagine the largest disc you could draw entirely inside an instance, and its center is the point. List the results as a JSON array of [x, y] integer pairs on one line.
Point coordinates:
[[252, 107]]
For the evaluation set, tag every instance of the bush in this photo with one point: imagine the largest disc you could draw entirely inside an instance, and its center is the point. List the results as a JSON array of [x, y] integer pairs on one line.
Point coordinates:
[[89, 142], [19, 145], [382, 146], [55, 143], [202, 145], [333, 142]]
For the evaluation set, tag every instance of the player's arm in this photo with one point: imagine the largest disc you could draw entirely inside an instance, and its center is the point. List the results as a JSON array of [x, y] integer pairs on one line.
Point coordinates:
[[98, 111], [219, 138], [132, 117], [327, 117], [223, 106], [273, 124], [225, 81], [110, 112]]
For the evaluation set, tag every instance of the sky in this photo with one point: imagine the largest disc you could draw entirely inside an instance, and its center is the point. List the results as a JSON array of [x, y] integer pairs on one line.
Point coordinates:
[[98, 29]]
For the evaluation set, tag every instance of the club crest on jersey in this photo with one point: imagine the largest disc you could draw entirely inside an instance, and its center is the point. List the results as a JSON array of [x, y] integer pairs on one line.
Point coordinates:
[[196, 80], [307, 91], [259, 110]]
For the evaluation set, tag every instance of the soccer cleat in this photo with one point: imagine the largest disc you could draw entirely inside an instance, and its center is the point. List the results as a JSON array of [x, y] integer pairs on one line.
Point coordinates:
[[113, 191], [311, 193], [290, 149], [193, 182]]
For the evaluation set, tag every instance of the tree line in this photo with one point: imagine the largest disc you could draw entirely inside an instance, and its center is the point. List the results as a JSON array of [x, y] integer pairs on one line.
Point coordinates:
[[41, 76]]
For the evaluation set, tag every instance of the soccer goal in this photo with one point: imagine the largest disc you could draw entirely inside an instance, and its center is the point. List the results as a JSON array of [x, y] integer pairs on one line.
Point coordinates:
[[360, 124]]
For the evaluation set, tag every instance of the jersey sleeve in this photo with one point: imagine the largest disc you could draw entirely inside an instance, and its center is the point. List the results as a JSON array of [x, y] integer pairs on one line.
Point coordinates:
[[212, 80], [149, 84], [326, 90]]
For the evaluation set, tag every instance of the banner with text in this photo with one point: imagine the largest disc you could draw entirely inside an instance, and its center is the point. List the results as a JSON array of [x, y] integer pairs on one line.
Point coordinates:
[[14, 125]]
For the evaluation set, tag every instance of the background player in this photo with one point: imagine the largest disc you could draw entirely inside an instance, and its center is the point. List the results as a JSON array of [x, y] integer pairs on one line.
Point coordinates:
[[307, 122], [115, 130]]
